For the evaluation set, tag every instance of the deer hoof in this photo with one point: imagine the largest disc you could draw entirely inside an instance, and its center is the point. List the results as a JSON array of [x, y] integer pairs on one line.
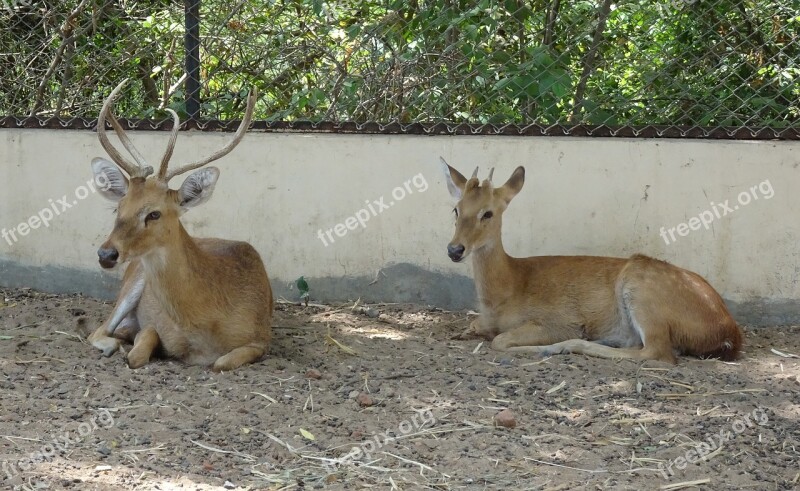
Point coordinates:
[[137, 359], [108, 346]]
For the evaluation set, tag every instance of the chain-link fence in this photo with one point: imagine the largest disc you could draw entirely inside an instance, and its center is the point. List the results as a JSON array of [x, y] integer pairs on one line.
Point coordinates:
[[703, 68]]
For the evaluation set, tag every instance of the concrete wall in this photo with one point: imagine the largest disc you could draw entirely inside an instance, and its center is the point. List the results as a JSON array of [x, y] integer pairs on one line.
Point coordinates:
[[278, 191]]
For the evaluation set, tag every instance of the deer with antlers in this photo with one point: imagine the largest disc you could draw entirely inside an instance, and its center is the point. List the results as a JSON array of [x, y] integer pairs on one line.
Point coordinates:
[[204, 301], [637, 308]]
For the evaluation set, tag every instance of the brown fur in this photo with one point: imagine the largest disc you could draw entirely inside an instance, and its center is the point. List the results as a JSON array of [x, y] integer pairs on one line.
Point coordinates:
[[203, 301], [582, 304], [208, 301]]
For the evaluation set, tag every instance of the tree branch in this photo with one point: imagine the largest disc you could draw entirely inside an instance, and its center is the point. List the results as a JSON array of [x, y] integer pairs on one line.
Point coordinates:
[[588, 62]]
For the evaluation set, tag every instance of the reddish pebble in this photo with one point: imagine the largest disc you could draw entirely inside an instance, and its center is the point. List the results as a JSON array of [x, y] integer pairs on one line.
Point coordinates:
[[505, 418], [314, 373], [364, 400]]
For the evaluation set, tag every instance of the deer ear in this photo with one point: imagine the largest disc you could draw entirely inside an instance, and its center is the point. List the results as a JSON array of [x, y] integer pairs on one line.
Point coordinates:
[[513, 186], [198, 187], [454, 179], [111, 182]]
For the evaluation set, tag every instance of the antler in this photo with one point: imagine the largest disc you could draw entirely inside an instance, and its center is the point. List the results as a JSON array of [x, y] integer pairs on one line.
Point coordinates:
[[491, 172], [475, 174], [176, 125], [240, 132], [140, 168]]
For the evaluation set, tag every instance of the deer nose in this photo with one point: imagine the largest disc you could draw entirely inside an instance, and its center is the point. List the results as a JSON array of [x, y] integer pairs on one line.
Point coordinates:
[[455, 252], [108, 257]]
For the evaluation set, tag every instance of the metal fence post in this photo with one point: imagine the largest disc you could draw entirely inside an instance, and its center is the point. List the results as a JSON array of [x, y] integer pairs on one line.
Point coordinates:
[[192, 45]]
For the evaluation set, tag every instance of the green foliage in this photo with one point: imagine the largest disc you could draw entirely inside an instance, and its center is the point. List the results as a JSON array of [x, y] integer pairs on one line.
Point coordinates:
[[302, 287], [671, 62]]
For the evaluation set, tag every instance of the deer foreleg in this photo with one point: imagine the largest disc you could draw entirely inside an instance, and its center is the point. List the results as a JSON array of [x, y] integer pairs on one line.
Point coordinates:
[[126, 303], [143, 347], [239, 356], [123, 316], [531, 337]]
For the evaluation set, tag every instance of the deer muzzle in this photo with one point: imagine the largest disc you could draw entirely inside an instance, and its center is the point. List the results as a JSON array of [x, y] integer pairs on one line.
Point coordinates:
[[107, 257], [456, 252]]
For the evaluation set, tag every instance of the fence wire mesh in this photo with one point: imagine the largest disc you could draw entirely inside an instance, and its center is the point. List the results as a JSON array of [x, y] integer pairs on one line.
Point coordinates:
[[702, 68]]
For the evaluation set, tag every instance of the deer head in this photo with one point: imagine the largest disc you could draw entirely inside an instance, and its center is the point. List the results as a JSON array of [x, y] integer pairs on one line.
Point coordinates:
[[479, 209], [148, 211]]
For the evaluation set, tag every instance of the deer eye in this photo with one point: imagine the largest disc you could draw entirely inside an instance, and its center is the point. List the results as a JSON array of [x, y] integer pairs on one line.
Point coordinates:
[[153, 215], [487, 215]]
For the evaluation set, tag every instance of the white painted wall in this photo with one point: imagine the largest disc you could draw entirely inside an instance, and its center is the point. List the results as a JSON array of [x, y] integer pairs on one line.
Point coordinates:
[[582, 196]]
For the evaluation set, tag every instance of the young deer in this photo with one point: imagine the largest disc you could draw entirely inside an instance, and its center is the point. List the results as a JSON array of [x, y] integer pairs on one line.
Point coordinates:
[[203, 301], [639, 308]]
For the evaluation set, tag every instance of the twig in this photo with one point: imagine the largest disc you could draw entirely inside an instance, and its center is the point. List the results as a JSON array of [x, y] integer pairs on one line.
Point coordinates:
[[346, 349], [685, 484], [219, 450], [706, 394], [278, 440], [595, 471], [785, 355], [141, 450], [265, 396], [80, 339], [588, 63], [44, 359], [408, 461], [68, 34]]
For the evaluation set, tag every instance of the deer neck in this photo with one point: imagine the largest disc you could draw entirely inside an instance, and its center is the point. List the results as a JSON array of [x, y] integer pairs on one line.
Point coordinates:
[[494, 272], [178, 274]]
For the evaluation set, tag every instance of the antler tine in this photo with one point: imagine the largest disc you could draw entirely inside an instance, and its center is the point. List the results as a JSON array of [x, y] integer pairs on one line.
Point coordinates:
[[491, 172], [129, 167], [176, 126], [128, 144], [475, 174], [240, 132]]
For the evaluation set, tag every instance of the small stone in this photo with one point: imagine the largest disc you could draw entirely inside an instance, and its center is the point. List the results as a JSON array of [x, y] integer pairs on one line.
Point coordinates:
[[357, 434], [228, 485], [505, 418], [165, 412], [314, 374], [364, 400], [353, 394]]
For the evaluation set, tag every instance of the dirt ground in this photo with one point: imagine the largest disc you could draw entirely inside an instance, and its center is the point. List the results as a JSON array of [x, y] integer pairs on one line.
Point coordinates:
[[410, 409]]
